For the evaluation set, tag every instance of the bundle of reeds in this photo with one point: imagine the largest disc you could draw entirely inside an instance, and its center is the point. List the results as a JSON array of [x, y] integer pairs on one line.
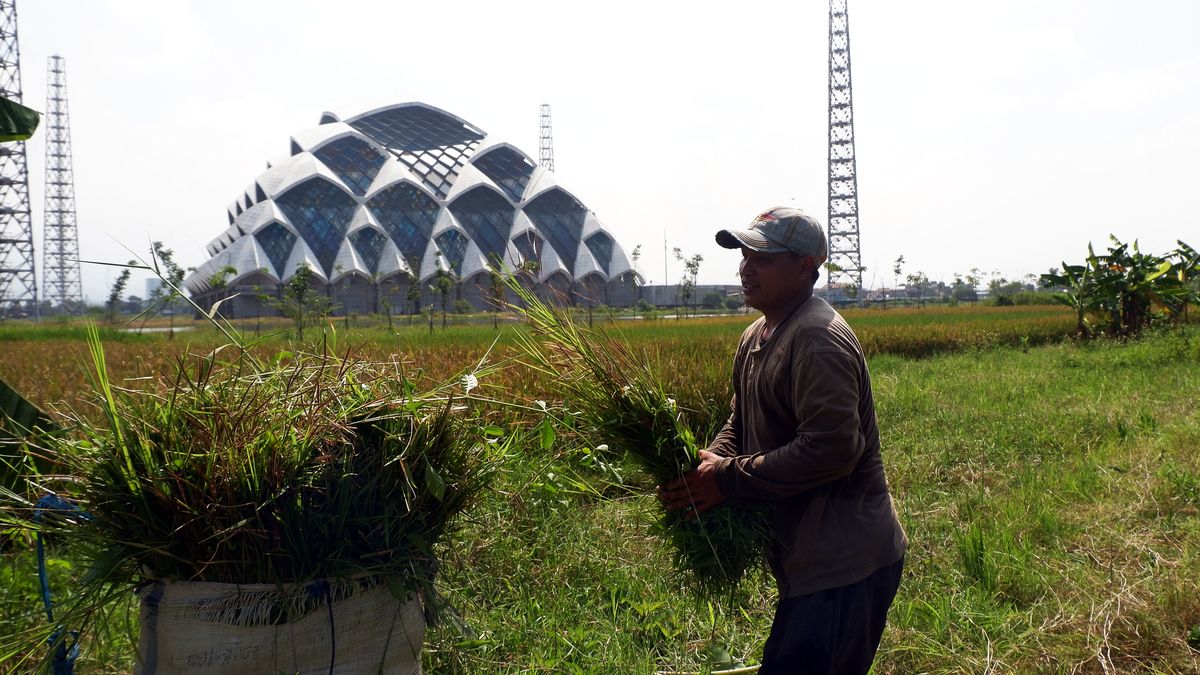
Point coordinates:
[[323, 467], [618, 393]]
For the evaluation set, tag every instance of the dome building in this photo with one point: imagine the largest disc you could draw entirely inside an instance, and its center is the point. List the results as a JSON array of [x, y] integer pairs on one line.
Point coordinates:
[[379, 201]]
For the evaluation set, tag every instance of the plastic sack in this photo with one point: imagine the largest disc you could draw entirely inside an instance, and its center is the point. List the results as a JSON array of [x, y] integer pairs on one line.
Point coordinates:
[[349, 626]]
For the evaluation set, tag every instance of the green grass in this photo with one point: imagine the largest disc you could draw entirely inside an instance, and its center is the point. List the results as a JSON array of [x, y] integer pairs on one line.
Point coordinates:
[[1051, 495]]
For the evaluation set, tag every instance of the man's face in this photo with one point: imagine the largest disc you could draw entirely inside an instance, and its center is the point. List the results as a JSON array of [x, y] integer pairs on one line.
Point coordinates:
[[771, 281]]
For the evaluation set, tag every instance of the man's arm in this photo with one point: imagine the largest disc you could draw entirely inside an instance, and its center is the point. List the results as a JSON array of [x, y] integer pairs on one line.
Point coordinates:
[[725, 442], [828, 441]]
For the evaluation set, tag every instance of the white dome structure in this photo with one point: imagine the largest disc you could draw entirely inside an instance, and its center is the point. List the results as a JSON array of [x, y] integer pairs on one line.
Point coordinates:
[[388, 197]]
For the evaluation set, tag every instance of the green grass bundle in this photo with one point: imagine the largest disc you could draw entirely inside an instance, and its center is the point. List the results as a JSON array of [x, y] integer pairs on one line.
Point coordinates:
[[229, 472], [621, 396]]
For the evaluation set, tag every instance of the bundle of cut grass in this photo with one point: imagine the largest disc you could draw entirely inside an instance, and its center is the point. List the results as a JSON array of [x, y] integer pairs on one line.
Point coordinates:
[[229, 472], [620, 395]]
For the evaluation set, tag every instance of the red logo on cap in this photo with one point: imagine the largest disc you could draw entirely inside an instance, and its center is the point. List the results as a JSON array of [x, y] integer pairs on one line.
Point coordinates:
[[766, 217]]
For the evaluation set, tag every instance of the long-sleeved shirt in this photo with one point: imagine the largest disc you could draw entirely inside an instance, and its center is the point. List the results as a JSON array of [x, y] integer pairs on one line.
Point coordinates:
[[802, 435]]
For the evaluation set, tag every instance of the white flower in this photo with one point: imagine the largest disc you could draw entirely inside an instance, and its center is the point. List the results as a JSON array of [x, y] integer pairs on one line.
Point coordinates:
[[469, 382], [671, 403], [603, 447]]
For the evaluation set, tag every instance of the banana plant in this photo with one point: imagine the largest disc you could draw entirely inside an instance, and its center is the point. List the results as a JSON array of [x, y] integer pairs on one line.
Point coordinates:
[[1188, 272], [1124, 288], [19, 419], [1078, 284]]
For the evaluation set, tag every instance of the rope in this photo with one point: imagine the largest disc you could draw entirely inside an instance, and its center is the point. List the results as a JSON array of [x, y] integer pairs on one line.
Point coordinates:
[[65, 654]]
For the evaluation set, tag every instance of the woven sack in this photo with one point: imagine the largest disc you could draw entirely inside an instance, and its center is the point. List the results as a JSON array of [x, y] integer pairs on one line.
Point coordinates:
[[350, 626]]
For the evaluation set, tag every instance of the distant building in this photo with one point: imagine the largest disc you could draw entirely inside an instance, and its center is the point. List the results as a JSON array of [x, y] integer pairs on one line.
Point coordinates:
[[152, 286], [840, 295], [668, 295], [386, 198]]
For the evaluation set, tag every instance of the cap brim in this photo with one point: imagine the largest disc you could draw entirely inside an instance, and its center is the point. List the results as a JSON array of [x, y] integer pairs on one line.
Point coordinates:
[[751, 239]]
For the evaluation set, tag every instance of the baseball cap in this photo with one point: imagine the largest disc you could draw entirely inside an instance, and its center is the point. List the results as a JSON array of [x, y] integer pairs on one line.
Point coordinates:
[[777, 230]]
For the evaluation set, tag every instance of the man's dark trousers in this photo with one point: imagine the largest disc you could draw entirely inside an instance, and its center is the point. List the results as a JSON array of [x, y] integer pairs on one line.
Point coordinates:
[[835, 631]]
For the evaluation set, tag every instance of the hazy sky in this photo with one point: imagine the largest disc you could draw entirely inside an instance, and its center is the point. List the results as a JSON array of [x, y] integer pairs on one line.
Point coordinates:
[[998, 136]]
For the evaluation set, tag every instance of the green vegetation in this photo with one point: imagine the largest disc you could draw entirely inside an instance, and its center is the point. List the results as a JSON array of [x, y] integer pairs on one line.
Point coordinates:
[[1124, 290], [300, 302], [620, 399], [1050, 488], [232, 471]]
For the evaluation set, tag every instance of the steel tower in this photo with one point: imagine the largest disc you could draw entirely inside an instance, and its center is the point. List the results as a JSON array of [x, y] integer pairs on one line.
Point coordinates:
[[845, 258], [60, 238], [18, 280], [546, 140]]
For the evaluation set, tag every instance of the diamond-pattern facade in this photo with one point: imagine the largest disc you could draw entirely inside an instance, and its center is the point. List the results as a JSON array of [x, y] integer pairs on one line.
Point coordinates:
[[431, 205], [407, 214], [560, 217], [353, 160], [487, 217]]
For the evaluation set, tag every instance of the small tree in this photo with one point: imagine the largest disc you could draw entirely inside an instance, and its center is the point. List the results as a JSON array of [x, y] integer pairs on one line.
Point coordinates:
[[1076, 282], [962, 290], [378, 297], [412, 295], [496, 289], [973, 280], [444, 283], [219, 280], [381, 304], [897, 268], [114, 295], [298, 302], [917, 284], [687, 284], [132, 305], [165, 297]]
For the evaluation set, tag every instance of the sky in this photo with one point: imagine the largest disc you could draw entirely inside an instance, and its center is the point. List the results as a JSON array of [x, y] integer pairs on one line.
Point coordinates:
[[999, 137]]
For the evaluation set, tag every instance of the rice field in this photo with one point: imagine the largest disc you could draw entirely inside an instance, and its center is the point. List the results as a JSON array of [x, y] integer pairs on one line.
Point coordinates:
[[1051, 491]]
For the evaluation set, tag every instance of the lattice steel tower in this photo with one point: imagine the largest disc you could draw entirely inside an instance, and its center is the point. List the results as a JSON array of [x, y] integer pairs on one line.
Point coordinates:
[[60, 238], [546, 140], [18, 279], [845, 257]]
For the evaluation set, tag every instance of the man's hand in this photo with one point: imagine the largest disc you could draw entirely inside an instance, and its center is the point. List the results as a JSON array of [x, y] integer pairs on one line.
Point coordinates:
[[697, 490]]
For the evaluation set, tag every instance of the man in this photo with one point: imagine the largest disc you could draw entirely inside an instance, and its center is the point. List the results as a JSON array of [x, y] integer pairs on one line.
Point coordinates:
[[802, 437]]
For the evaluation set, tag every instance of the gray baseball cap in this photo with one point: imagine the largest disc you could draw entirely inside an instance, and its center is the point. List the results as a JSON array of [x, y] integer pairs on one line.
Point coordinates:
[[777, 230]]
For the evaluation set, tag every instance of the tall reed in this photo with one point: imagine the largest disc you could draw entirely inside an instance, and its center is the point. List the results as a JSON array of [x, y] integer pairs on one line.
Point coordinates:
[[620, 395]]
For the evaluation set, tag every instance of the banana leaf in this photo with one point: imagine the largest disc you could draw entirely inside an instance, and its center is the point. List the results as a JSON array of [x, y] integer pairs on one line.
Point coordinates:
[[18, 420], [17, 123]]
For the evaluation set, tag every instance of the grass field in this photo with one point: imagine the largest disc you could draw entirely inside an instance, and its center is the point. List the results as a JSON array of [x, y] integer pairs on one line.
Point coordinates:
[[1051, 492]]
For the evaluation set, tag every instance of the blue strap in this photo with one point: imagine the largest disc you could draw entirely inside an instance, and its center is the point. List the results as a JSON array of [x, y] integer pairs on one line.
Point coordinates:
[[64, 654], [320, 589]]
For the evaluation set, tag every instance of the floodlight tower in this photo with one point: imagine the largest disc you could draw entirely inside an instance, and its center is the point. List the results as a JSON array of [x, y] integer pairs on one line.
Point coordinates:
[[845, 257], [18, 280], [546, 140], [60, 238]]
